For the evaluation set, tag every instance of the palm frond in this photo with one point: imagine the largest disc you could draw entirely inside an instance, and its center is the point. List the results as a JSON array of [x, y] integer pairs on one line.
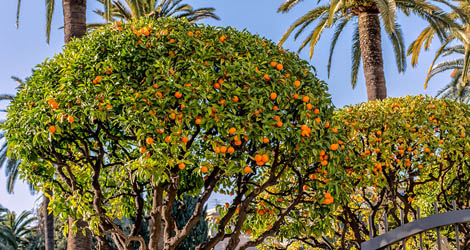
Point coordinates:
[[387, 9], [339, 29], [355, 57], [18, 14], [287, 5], [399, 48], [49, 14]]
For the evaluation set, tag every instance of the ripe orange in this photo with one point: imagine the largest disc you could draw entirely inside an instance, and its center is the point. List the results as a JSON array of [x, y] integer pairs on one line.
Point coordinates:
[[305, 99], [266, 77], [70, 119], [324, 163], [149, 140], [52, 129], [190, 33], [273, 96], [297, 83], [181, 166], [309, 106], [178, 95], [427, 150], [296, 96], [232, 130], [216, 85], [275, 108], [265, 158], [305, 187], [167, 139], [235, 98], [204, 169], [230, 150], [279, 66], [223, 149], [247, 170], [273, 64], [316, 111], [462, 134], [143, 149], [258, 158], [334, 147], [259, 163], [279, 124], [265, 140], [222, 38], [185, 139]]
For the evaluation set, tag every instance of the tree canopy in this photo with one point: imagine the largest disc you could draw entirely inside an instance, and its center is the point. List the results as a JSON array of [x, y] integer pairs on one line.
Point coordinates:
[[129, 117]]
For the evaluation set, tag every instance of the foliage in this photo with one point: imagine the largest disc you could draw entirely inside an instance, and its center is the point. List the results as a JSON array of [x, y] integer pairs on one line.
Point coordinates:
[[16, 231], [341, 13], [134, 109], [403, 153], [135, 9]]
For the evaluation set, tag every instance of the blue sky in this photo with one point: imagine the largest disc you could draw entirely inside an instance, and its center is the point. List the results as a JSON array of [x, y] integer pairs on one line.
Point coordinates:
[[21, 49]]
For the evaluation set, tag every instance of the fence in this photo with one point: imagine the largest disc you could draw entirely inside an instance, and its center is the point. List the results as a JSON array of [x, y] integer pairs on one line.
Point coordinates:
[[418, 227]]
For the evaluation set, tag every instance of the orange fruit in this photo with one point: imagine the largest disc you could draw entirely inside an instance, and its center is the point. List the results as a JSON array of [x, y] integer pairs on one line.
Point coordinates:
[[334, 147], [70, 119], [247, 170], [222, 38], [185, 139], [462, 134], [296, 96], [265, 140], [217, 150], [235, 98], [181, 166], [178, 95], [149, 140], [297, 83], [279, 124], [275, 108], [279, 66], [54, 105], [223, 149], [232, 130], [52, 129], [334, 130], [273, 96], [265, 158], [309, 106], [216, 86], [190, 33], [167, 139], [204, 169], [324, 163], [143, 149], [266, 77], [316, 111], [273, 64], [230, 150], [198, 121], [258, 157], [305, 187], [427, 150], [305, 99]]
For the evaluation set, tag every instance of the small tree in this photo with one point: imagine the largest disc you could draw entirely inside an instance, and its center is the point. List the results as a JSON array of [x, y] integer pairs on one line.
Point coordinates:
[[127, 118], [402, 153]]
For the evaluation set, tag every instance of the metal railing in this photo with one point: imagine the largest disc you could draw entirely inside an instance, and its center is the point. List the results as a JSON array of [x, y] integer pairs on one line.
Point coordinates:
[[417, 227]]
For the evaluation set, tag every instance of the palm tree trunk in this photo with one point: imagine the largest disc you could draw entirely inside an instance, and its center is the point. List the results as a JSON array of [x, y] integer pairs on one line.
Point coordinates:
[[48, 223], [74, 18], [75, 26], [371, 50]]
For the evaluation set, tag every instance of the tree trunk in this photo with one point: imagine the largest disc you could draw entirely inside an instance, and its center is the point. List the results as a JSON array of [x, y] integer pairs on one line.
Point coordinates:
[[371, 50], [48, 223], [75, 26], [74, 18], [155, 225], [79, 241]]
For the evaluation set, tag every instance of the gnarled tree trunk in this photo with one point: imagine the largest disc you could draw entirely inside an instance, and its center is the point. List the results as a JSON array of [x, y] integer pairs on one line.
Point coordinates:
[[79, 241], [371, 50]]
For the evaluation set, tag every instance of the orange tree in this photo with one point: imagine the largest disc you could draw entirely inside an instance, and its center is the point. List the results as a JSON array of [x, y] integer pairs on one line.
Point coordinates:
[[401, 153], [127, 119]]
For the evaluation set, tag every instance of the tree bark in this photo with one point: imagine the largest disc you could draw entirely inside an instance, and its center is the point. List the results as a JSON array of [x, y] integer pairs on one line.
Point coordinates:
[[75, 26], [48, 223], [371, 50], [79, 241], [155, 225], [74, 19]]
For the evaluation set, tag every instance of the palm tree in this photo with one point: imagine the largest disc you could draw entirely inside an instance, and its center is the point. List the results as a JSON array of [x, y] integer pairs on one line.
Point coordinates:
[[74, 26], [135, 9], [366, 16], [458, 88], [15, 230]]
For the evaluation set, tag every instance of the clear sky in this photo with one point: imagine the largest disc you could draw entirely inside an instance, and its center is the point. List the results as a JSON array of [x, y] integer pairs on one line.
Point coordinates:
[[21, 49]]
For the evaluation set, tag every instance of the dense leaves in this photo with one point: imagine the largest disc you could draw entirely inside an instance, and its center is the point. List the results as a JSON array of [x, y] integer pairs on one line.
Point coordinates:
[[130, 116], [403, 153]]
